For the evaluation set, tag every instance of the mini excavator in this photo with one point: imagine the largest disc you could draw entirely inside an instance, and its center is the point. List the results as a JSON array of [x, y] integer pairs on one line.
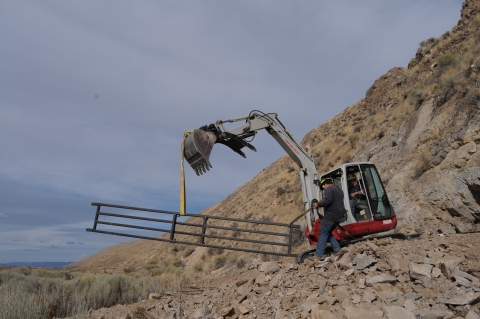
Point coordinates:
[[373, 211], [370, 216]]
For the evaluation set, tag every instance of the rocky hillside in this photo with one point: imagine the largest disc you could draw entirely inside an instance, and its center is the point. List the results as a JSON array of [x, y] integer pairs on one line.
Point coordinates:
[[419, 125], [431, 277]]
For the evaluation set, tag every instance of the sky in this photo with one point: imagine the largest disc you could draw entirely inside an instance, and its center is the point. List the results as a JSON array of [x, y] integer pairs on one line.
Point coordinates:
[[95, 97]]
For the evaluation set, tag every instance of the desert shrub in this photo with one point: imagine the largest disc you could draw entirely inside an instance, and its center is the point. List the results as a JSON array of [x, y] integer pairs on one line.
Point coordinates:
[[188, 252], [48, 296], [424, 42], [16, 302], [421, 165], [265, 257], [198, 266], [265, 218], [357, 118], [220, 261], [44, 273], [212, 232], [353, 139], [153, 261], [446, 59], [447, 89], [328, 149], [381, 134], [177, 262], [241, 263], [416, 98], [472, 97], [236, 233], [280, 191], [128, 269], [357, 128], [149, 266], [141, 313], [211, 251], [156, 271], [347, 158], [298, 198]]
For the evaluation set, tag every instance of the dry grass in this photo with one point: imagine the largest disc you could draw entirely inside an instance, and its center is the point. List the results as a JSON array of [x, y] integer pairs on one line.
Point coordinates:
[[421, 165], [46, 294]]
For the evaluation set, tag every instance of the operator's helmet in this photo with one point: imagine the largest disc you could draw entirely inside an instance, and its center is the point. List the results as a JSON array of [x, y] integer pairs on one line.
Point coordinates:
[[325, 180], [351, 177]]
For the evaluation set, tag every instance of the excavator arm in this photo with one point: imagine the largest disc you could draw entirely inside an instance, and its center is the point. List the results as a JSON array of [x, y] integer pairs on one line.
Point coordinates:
[[199, 144]]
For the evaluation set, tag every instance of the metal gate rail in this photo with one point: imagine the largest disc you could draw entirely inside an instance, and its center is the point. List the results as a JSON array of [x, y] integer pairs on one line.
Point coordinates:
[[203, 227]]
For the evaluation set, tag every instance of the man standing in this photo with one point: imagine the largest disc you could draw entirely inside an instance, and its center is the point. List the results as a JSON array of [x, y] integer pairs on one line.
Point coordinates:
[[334, 215]]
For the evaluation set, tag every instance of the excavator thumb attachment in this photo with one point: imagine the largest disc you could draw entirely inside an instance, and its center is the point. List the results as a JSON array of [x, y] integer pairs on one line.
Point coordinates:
[[198, 146]]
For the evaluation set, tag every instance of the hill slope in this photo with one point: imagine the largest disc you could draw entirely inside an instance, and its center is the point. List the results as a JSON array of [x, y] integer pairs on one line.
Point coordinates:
[[419, 125]]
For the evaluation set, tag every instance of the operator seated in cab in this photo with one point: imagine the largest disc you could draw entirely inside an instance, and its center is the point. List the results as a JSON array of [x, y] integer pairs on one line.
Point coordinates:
[[353, 190]]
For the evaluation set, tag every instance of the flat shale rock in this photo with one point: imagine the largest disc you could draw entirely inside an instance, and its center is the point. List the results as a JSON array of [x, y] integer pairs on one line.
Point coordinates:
[[269, 267], [420, 271], [388, 296], [363, 261], [465, 299], [433, 314], [369, 295], [321, 314], [383, 278], [396, 312], [312, 301], [472, 315], [358, 313]]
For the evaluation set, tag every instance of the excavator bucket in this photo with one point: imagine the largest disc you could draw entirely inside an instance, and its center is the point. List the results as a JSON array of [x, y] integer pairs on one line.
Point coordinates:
[[198, 146]]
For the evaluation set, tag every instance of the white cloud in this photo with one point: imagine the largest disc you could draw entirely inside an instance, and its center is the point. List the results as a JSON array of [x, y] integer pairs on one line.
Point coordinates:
[[3, 215]]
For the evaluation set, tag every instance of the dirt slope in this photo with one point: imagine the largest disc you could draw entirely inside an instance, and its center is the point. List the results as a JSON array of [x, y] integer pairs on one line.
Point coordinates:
[[430, 277], [420, 125]]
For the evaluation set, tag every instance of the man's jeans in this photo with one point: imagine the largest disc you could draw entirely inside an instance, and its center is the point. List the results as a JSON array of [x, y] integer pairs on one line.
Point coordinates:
[[352, 207], [326, 228]]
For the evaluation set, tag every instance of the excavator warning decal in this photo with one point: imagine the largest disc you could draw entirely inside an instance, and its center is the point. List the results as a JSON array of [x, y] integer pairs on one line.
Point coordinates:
[[292, 147]]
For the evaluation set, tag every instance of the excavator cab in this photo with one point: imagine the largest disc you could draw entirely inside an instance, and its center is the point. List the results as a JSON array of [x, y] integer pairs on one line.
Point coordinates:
[[367, 213]]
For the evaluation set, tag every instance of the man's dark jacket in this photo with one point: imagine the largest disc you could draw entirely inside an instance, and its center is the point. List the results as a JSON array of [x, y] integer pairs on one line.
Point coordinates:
[[333, 203]]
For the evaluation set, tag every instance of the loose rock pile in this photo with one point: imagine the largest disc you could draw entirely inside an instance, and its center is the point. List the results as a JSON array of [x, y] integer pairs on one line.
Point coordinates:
[[430, 277]]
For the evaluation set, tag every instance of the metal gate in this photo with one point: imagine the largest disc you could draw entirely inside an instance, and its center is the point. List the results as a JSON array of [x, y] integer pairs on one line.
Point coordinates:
[[199, 230]]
